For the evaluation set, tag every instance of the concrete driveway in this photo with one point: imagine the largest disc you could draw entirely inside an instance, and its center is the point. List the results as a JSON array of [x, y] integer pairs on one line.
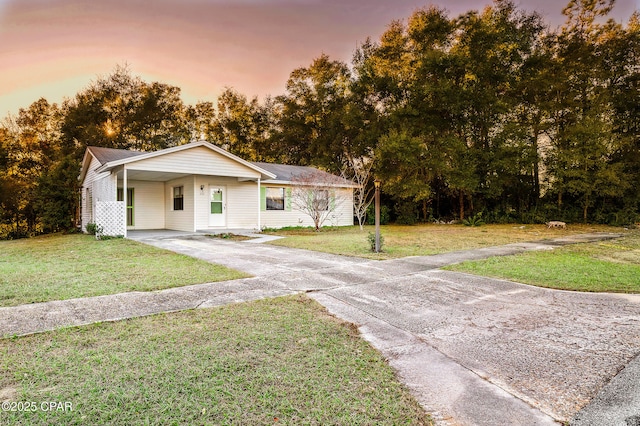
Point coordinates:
[[474, 351], [540, 354]]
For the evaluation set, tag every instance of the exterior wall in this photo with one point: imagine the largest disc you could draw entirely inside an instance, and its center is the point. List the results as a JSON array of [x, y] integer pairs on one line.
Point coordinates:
[[148, 204], [104, 188], [95, 187], [181, 220], [153, 200], [241, 200], [342, 216], [199, 160]]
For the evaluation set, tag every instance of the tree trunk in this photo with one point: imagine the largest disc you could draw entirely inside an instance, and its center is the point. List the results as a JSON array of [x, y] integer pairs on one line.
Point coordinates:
[[586, 207], [536, 163], [461, 201], [424, 210]]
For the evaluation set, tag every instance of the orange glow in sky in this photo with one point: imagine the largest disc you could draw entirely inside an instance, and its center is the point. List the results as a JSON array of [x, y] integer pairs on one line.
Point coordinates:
[[54, 48]]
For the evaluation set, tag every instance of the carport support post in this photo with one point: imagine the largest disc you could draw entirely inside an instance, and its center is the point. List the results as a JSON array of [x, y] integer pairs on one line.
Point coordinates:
[[376, 184], [259, 206]]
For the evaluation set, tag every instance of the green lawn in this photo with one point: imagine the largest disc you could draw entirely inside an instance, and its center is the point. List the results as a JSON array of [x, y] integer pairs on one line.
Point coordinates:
[[608, 266], [421, 240], [58, 267], [277, 361]]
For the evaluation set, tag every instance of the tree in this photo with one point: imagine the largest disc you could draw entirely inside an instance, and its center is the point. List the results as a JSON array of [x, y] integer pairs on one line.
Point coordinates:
[[122, 111], [56, 204], [358, 171], [202, 123], [313, 128], [316, 194], [243, 126], [30, 144], [583, 142]]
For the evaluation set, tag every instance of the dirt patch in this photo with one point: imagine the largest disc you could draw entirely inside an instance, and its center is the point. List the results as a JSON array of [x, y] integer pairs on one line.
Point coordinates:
[[230, 237], [8, 393]]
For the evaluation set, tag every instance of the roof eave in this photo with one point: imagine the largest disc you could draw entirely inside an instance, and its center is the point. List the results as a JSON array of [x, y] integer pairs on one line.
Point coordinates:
[[85, 164], [329, 185]]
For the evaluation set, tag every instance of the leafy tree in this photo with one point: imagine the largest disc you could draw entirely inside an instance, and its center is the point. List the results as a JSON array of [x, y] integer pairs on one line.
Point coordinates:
[[57, 204], [30, 148], [202, 123], [622, 59], [312, 126], [581, 163], [243, 126], [122, 111]]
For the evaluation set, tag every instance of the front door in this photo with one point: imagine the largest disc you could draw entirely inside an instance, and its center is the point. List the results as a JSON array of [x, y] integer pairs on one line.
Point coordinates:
[[217, 206]]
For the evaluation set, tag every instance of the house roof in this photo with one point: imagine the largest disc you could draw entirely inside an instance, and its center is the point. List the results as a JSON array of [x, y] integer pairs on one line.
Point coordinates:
[[286, 173], [105, 155]]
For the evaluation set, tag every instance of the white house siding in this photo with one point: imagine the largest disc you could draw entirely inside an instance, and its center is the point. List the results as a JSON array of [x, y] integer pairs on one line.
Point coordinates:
[[96, 187], [242, 202], [87, 194], [199, 160], [181, 220], [104, 188], [148, 204], [342, 216]]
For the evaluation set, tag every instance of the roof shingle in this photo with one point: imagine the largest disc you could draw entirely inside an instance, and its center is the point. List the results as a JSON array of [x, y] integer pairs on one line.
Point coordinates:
[[105, 155]]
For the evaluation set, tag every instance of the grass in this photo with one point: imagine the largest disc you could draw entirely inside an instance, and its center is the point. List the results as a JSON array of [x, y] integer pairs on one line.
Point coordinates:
[[277, 361], [608, 266], [421, 240], [59, 267]]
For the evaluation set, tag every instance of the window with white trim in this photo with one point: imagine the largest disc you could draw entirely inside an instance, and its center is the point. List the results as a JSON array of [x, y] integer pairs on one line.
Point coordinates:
[[275, 198], [178, 198]]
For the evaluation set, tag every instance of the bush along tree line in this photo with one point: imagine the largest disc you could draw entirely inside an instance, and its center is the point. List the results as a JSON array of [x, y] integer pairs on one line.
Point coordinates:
[[490, 111]]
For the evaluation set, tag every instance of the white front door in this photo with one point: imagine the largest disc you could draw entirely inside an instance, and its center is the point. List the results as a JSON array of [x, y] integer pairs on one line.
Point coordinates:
[[217, 206]]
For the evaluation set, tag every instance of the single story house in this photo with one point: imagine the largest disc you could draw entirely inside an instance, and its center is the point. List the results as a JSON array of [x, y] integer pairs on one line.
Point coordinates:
[[195, 187]]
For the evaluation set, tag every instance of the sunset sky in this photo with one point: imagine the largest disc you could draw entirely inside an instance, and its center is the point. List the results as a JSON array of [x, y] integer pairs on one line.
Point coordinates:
[[54, 48]]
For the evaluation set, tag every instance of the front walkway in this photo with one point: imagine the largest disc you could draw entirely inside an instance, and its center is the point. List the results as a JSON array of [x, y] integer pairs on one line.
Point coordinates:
[[473, 350]]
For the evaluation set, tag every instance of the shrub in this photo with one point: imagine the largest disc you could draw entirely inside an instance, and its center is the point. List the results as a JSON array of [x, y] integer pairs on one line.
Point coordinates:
[[92, 228], [406, 213], [385, 215], [97, 230], [475, 220], [372, 241]]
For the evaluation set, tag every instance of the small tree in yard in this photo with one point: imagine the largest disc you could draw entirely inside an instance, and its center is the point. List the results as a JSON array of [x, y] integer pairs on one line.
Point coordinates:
[[315, 194], [358, 170]]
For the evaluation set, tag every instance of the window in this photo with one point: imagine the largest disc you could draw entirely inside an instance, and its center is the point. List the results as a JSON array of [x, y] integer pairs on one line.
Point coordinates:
[[275, 198], [178, 198], [130, 214]]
